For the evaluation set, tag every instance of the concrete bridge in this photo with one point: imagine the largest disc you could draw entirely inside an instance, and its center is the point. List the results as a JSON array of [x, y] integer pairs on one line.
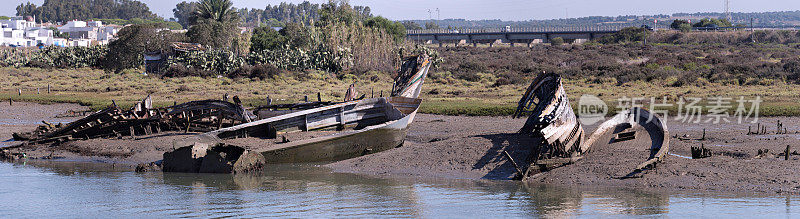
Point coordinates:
[[512, 36]]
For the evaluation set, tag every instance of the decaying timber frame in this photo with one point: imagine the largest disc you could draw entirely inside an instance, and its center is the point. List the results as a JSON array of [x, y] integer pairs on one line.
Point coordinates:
[[552, 119], [142, 119], [560, 136], [636, 129]]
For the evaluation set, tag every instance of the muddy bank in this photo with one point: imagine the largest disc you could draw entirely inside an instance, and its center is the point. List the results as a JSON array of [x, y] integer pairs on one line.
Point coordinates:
[[26, 116], [471, 147], [23, 117]]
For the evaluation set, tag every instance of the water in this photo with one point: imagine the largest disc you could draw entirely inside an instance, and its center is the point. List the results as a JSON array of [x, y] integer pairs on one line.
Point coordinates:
[[84, 190]]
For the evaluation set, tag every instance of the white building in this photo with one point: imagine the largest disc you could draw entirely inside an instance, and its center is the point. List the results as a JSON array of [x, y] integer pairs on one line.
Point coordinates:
[[92, 30], [24, 32]]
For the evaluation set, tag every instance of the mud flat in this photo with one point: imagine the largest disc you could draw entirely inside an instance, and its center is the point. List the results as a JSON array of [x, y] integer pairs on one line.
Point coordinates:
[[21, 116], [471, 147]]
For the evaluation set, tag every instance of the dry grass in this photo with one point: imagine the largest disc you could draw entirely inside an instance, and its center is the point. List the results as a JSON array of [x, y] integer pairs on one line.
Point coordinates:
[[95, 88]]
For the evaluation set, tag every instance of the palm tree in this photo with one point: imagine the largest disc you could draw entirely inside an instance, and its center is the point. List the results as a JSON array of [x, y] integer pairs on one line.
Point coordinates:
[[217, 10]]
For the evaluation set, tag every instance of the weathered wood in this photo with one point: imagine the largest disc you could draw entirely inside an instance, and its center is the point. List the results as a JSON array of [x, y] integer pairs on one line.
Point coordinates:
[[520, 175], [786, 153]]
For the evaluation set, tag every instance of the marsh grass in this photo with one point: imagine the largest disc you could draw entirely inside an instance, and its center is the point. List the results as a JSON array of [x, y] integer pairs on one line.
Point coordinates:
[[442, 95]]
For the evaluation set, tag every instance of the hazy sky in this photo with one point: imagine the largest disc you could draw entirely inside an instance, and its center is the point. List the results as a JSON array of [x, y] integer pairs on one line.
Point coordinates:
[[504, 9]]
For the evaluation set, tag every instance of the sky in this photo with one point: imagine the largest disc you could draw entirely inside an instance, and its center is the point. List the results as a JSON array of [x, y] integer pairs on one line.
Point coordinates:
[[502, 9]]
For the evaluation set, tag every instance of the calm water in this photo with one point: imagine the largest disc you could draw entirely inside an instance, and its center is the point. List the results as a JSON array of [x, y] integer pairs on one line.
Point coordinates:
[[63, 189]]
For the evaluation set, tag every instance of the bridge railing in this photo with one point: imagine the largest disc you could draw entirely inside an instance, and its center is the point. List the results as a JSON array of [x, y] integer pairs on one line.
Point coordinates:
[[595, 28]]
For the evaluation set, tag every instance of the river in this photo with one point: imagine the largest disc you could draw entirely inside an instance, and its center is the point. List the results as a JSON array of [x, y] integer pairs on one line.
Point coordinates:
[[89, 190]]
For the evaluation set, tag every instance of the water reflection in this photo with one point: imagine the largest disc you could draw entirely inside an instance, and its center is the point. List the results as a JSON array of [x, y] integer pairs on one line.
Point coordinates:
[[64, 189]]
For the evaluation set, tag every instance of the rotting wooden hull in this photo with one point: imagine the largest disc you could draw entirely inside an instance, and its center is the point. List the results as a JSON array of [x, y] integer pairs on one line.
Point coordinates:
[[363, 127], [343, 145], [637, 129], [551, 118]]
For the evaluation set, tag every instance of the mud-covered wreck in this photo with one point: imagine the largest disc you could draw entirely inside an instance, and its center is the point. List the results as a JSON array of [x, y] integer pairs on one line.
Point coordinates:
[[327, 133], [560, 138]]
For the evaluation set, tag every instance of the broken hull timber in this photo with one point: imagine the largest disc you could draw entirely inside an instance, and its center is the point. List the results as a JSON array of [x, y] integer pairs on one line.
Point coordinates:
[[379, 124], [635, 129], [551, 118]]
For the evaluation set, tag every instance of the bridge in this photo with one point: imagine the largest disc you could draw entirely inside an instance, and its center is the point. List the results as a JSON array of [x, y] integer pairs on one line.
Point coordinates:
[[512, 36]]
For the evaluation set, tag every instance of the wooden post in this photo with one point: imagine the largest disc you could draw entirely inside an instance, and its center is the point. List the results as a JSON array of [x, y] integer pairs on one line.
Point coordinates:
[[704, 135], [786, 153], [48, 88], [19, 91], [10, 101], [188, 124], [519, 171], [305, 98], [319, 97]]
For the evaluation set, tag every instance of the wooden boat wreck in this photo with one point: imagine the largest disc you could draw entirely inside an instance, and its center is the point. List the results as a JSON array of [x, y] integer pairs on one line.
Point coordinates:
[[634, 130], [560, 137], [328, 133], [552, 121], [142, 119]]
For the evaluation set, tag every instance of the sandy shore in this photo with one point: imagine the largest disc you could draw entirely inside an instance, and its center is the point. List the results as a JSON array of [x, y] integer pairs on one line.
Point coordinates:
[[471, 147]]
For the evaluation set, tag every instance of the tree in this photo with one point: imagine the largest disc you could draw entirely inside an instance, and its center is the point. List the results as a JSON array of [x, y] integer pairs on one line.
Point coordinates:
[[216, 10], [58, 34], [410, 25], [341, 12], [685, 27], [183, 12], [266, 38], [213, 33], [296, 35], [66, 10], [396, 29], [676, 24], [133, 41], [272, 22], [557, 41], [711, 22], [431, 26]]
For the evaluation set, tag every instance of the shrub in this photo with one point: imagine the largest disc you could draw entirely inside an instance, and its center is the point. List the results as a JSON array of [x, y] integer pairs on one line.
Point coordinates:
[[557, 41]]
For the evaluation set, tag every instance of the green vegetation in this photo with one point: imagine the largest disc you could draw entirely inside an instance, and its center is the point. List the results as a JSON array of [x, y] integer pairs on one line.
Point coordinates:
[[221, 11], [557, 41], [67, 10], [133, 41], [628, 34], [711, 22], [396, 29], [122, 22]]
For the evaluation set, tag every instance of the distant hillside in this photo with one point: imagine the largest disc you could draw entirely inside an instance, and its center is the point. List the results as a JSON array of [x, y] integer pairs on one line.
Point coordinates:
[[786, 18]]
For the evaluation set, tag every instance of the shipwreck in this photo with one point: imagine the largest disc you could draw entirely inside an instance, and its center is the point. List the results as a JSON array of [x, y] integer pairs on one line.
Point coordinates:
[[142, 119], [329, 132], [560, 138]]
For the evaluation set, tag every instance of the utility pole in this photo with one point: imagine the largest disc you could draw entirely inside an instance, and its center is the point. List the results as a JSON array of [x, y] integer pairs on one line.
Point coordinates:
[[430, 15], [438, 14], [728, 11]]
